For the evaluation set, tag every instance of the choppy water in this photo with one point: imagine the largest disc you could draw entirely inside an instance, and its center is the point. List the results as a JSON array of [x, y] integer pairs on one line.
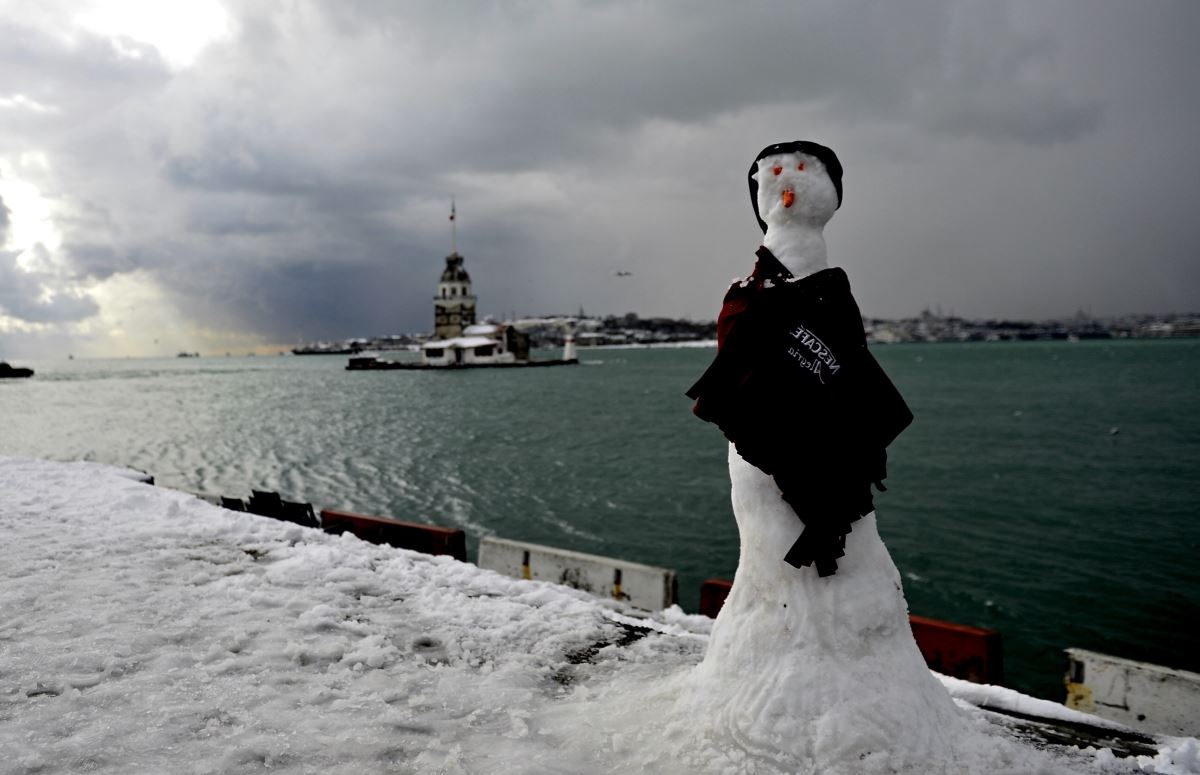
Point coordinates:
[[1048, 490]]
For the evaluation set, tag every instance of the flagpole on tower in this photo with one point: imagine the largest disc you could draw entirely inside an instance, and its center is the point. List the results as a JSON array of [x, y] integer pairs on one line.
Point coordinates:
[[453, 229]]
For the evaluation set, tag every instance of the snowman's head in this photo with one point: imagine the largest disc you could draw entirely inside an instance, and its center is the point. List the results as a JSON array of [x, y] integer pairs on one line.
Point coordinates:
[[796, 182]]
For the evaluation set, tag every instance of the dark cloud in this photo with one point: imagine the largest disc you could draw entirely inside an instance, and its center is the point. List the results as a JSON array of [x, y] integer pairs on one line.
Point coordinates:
[[294, 182], [1042, 119], [303, 299], [232, 162], [415, 90], [98, 261], [996, 81]]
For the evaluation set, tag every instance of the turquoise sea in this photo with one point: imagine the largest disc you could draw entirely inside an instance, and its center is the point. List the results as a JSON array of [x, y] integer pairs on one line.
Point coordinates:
[[1048, 490]]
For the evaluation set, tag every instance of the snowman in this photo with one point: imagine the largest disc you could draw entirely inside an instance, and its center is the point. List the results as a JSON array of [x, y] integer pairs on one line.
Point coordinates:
[[811, 660]]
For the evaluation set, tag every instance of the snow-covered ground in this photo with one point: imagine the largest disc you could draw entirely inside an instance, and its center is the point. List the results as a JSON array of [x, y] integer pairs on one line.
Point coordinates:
[[144, 630]]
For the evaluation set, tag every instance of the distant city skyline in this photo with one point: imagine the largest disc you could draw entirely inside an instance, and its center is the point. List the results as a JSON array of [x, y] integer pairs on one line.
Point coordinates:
[[229, 175]]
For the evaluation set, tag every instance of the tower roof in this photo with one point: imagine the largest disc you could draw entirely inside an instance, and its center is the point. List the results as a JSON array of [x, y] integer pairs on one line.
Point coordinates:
[[454, 272]]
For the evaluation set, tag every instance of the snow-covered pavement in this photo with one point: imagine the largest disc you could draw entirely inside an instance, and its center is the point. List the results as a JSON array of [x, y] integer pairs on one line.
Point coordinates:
[[144, 630]]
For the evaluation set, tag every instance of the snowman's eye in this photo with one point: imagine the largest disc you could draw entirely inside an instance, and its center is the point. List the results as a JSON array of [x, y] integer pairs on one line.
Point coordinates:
[[778, 170], [800, 166]]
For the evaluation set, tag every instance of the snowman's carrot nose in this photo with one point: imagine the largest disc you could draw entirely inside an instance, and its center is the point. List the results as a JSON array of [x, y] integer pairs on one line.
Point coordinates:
[[789, 197]]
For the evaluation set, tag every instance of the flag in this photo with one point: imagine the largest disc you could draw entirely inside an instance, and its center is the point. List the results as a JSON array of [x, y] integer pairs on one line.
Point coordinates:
[[452, 210]]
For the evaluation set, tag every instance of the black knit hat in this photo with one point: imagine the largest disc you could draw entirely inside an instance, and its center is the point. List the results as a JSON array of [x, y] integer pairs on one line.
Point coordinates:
[[825, 155]]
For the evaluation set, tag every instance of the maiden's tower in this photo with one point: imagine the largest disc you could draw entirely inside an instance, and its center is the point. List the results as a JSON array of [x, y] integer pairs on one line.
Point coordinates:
[[454, 304], [458, 341]]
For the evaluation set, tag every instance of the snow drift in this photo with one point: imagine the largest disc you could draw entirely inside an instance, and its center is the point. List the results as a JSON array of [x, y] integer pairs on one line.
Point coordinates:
[[144, 630]]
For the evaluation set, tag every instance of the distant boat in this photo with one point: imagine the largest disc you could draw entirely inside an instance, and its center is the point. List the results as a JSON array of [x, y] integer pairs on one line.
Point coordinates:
[[324, 348], [188, 355], [11, 372]]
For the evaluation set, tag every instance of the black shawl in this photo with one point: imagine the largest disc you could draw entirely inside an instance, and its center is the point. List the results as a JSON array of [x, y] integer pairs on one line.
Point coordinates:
[[796, 391]]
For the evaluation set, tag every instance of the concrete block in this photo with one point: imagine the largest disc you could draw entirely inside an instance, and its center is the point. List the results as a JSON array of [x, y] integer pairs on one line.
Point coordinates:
[[641, 586], [1147, 697]]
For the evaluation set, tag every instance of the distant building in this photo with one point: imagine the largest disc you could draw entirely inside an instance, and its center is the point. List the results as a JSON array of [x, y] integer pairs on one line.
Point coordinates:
[[454, 304], [480, 344]]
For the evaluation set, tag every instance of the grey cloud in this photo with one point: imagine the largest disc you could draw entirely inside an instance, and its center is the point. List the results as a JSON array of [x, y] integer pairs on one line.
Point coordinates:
[[307, 296], [78, 74], [242, 163], [996, 81], [5, 214], [499, 87], [513, 89], [22, 296], [99, 261], [234, 221], [1041, 119], [283, 184]]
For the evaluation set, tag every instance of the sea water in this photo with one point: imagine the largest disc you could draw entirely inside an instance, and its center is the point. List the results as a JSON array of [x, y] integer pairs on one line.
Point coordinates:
[[1047, 490]]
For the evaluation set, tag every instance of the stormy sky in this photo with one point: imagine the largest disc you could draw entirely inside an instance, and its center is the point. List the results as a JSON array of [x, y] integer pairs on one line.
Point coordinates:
[[229, 175]]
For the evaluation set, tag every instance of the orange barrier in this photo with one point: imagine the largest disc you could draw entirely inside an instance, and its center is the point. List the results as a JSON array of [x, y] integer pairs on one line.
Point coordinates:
[[971, 653], [712, 596], [428, 539]]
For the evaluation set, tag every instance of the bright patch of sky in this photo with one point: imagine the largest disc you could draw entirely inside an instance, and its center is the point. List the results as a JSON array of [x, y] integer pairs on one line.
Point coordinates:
[[31, 215], [180, 31], [21, 102]]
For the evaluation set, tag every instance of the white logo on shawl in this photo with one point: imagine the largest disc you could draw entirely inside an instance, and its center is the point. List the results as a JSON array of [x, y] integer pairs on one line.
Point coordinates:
[[812, 354]]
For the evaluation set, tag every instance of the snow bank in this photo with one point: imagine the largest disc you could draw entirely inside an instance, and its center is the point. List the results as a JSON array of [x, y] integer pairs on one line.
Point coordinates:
[[144, 630], [1004, 699]]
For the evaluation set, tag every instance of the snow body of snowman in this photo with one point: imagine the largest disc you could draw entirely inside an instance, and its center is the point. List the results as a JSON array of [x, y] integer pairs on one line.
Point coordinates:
[[813, 659]]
